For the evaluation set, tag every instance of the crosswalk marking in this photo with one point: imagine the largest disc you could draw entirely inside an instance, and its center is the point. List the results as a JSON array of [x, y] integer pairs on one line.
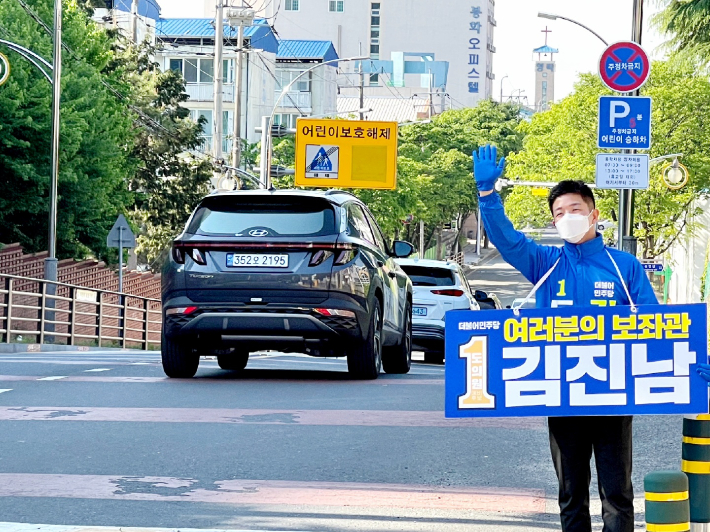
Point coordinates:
[[3, 390], [340, 418], [273, 492], [54, 378], [96, 370]]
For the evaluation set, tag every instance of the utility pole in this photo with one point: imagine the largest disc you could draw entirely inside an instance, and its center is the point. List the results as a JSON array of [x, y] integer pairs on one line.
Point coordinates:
[[431, 95], [217, 114], [240, 17], [362, 87], [421, 239], [50, 263], [627, 242], [236, 137], [134, 21]]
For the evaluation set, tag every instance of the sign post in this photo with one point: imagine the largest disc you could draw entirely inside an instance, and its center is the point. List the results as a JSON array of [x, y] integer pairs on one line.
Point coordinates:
[[625, 67], [346, 154], [121, 237]]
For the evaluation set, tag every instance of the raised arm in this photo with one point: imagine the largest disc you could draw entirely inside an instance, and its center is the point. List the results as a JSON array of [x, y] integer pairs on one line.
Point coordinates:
[[528, 257]]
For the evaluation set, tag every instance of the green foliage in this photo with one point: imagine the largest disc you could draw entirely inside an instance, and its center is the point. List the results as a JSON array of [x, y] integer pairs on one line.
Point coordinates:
[[687, 25], [168, 181], [96, 132], [561, 144], [435, 182]]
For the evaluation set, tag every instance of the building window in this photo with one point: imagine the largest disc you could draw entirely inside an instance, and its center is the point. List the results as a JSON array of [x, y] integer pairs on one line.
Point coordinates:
[[286, 120], [336, 6], [202, 70], [374, 38], [286, 76], [374, 80], [292, 5]]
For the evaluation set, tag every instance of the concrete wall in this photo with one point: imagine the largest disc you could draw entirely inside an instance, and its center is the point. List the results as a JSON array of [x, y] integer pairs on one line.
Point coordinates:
[[687, 258]]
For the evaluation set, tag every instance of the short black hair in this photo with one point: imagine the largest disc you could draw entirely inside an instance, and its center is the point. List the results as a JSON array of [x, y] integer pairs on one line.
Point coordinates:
[[571, 187]]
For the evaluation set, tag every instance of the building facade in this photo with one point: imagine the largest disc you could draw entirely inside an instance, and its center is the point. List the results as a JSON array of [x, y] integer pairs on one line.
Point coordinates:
[[379, 29], [545, 70], [269, 65]]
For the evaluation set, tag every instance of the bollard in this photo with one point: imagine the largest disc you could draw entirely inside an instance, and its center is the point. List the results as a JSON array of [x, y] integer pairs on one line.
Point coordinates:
[[667, 505], [696, 464]]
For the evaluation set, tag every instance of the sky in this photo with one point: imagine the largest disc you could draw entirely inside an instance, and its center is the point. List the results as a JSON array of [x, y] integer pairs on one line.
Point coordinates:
[[519, 31]]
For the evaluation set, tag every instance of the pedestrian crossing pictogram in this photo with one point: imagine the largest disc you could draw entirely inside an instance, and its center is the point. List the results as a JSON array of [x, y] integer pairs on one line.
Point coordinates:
[[324, 161]]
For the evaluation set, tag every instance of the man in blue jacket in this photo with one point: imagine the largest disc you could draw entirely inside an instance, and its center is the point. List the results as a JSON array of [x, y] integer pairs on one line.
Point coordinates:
[[582, 273]]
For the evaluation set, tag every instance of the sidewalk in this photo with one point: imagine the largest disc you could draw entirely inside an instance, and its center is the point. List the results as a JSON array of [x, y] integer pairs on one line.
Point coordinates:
[[471, 258]]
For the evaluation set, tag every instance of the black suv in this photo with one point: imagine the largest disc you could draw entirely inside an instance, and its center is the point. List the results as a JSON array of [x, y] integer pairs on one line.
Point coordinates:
[[286, 270]]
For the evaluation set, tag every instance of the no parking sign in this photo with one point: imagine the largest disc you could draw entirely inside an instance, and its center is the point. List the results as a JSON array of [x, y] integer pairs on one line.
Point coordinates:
[[624, 67]]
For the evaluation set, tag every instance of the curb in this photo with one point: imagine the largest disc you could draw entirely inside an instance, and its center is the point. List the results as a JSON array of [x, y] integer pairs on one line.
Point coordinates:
[[26, 527], [492, 255], [39, 348]]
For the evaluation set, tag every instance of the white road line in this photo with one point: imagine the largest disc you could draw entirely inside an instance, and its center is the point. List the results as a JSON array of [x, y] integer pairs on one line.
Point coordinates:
[[5, 390], [96, 370], [55, 378]]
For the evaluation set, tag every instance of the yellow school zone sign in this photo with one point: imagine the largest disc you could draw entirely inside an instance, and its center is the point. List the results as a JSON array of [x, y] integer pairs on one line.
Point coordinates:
[[346, 154]]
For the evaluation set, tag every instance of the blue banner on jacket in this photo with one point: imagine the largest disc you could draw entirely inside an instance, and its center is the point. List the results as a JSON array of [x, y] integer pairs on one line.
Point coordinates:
[[569, 361]]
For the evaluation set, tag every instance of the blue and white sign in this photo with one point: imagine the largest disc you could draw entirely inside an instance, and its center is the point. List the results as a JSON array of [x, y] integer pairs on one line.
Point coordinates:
[[323, 161], [624, 123], [652, 266], [594, 361]]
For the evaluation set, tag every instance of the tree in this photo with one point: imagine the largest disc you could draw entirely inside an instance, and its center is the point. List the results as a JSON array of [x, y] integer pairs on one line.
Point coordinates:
[[169, 179], [96, 134], [687, 24], [561, 144]]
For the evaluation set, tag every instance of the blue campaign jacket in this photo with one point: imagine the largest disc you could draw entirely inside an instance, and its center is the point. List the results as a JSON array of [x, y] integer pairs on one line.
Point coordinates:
[[585, 275]]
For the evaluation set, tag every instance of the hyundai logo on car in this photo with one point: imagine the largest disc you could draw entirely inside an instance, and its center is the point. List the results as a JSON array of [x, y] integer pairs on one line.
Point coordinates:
[[258, 232]]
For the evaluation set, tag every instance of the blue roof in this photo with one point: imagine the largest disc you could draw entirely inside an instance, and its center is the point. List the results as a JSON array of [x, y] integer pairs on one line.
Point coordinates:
[[173, 28], [306, 50], [546, 50], [146, 8]]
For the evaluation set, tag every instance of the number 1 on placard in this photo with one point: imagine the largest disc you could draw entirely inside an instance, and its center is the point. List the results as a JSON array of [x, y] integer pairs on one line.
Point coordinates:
[[475, 352], [562, 293]]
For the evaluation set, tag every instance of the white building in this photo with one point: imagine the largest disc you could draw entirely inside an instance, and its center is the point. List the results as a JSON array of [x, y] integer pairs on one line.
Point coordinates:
[[378, 29], [187, 45], [118, 15]]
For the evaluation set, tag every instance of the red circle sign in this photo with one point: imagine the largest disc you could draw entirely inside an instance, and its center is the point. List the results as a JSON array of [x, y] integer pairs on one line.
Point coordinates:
[[624, 67]]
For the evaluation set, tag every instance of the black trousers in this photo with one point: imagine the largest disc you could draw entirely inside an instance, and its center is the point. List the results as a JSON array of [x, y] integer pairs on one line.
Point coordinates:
[[572, 440]]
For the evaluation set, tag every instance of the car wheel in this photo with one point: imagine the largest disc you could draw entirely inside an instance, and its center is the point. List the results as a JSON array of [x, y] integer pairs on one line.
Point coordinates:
[[434, 357], [398, 359], [179, 359], [365, 359], [236, 361]]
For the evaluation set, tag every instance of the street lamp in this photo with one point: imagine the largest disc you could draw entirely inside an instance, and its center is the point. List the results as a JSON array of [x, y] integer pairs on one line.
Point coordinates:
[[501, 88], [267, 121], [550, 16]]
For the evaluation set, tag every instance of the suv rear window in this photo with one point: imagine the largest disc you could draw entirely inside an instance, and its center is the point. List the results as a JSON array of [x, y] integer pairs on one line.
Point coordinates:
[[422, 276], [225, 216]]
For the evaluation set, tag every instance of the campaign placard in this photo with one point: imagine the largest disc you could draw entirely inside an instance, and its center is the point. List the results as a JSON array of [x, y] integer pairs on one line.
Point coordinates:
[[586, 361]]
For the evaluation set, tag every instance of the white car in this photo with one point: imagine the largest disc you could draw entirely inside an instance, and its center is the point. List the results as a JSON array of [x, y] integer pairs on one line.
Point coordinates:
[[439, 286]]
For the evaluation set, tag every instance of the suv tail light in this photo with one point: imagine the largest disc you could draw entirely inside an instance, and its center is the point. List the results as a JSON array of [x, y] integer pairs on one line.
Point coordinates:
[[178, 254], [198, 256], [335, 312], [319, 257], [451, 292], [344, 256]]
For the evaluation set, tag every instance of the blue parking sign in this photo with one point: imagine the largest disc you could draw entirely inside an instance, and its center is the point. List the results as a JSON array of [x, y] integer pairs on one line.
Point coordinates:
[[576, 361], [624, 123]]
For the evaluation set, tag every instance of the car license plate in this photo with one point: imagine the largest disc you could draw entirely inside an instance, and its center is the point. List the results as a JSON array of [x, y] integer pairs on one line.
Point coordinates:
[[256, 260], [419, 311]]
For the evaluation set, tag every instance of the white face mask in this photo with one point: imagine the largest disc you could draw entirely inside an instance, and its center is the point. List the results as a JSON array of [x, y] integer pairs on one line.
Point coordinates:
[[573, 227]]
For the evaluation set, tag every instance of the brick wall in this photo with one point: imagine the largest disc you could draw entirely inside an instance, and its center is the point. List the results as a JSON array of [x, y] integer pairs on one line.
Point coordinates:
[[88, 273]]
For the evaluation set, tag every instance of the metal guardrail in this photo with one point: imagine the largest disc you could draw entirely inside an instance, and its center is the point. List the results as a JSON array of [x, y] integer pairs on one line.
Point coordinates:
[[60, 313]]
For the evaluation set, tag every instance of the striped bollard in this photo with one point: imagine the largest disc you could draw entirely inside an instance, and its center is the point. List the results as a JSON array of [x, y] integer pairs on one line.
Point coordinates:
[[667, 505], [696, 464]]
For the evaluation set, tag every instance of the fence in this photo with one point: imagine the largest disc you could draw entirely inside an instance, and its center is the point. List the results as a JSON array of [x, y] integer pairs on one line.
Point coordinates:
[[430, 253], [60, 313]]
